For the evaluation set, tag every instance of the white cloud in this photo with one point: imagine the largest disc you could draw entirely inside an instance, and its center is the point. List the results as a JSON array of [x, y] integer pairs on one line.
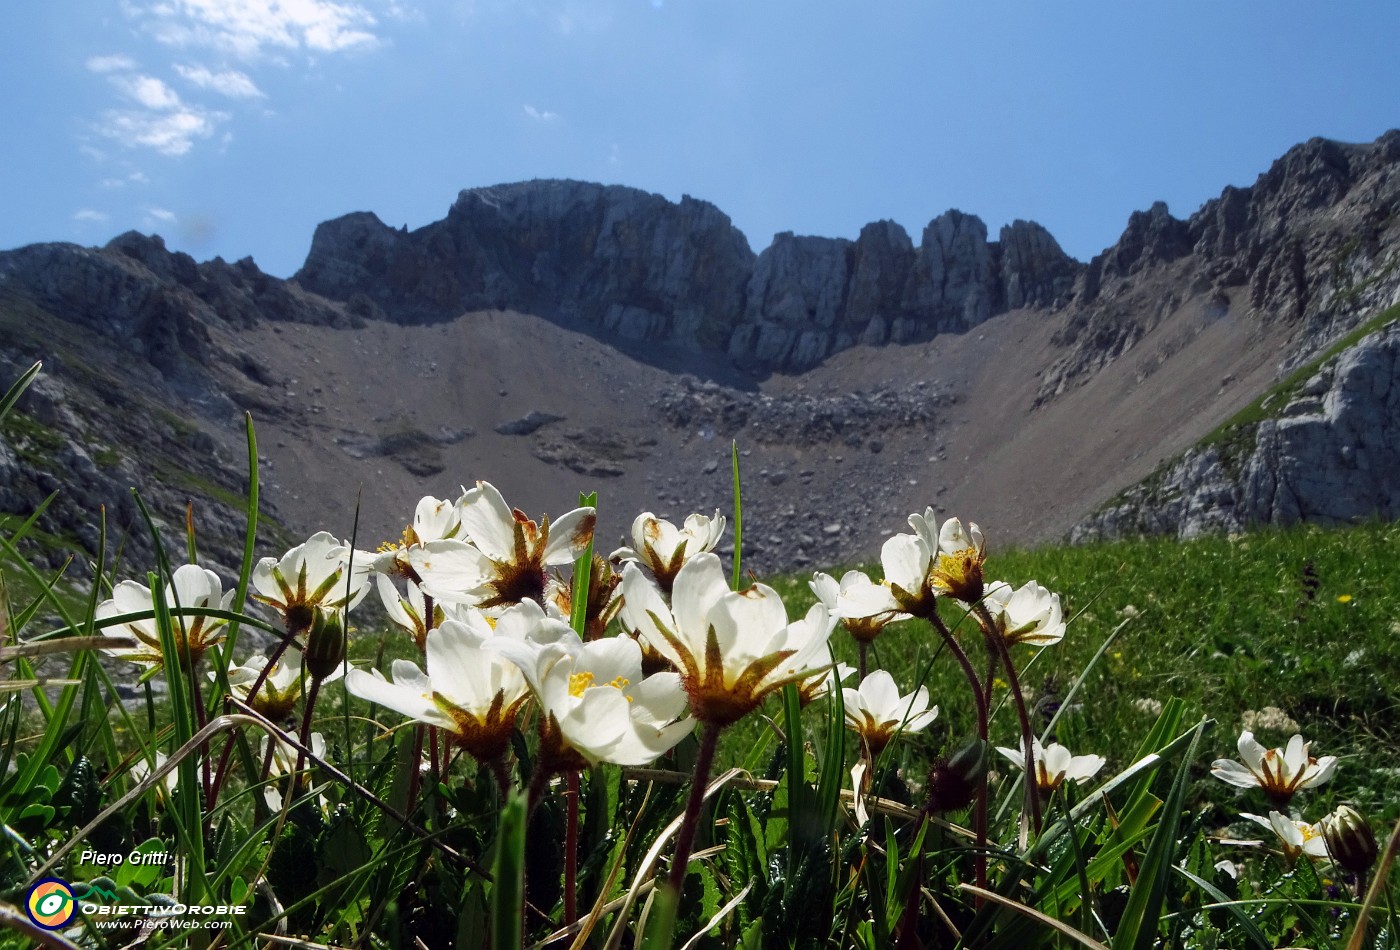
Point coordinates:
[[170, 133], [148, 91], [540, 115], [248, 28], [230, 82], [110, 64], [134, 178], [160, 215], [88, 214]]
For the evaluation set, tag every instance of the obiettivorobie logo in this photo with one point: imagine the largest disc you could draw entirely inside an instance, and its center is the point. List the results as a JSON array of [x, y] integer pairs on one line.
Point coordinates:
[[52, 904]]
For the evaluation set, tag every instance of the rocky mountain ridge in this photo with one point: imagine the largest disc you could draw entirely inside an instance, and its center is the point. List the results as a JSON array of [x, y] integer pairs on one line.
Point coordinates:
[[899, 346], [623, 263]]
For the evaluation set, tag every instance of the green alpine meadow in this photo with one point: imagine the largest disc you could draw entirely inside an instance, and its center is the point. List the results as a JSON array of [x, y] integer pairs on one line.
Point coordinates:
[[490, 732]]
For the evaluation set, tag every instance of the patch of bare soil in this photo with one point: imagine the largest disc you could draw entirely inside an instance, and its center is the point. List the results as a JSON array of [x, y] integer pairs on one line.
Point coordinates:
[[833, 460]]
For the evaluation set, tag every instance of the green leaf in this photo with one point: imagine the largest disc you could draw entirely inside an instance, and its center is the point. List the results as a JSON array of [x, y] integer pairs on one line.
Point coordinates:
[[738, 518], [583, 570], [508, 878], [1138, 927]]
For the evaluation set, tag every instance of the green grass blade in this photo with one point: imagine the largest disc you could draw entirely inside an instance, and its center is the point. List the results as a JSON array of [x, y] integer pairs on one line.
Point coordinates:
[[250, 539], [832, 772], [1138, 927], [508, 878], [18, 387], [738, 518], [583, 570], [1251, 930], [188, 795], [802, 817]]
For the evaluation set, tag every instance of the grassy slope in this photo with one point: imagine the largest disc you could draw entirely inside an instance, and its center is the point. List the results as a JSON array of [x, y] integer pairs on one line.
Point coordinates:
[[1226, 624]]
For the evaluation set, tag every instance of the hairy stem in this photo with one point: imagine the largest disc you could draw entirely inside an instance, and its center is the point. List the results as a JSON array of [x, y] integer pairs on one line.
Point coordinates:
[[685, 840], [571, 847], [221, 773], [997, 643], [979, 860]]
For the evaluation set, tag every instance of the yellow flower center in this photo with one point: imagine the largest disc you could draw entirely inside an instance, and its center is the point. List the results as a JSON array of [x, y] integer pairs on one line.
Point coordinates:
[[579, 682]]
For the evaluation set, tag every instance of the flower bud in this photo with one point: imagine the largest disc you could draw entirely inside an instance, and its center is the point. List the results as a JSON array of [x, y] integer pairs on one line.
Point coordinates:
[[325, 644], [1350, 841], [952, 782]]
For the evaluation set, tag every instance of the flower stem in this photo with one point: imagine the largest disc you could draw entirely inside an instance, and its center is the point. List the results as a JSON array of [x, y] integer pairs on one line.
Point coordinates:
[[979, 860], [685, 840], [305, 731], [502, 774], [539, 781], [862, 648], [997, 644], [571, 847], [221, 773]]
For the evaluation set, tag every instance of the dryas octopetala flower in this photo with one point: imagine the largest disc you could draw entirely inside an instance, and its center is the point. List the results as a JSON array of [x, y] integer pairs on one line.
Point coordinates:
[[662, 548], [732, 648], [505, 562], [876, 711], [864, 607], [471, 691], [312, 574], [190, 587], [1054, 765], [1297, 837], [434, 519], [822, 683], [1030, 614], [283, 763], [604, 598], [281, 687], [409, 610], [906, 560], [595, 705], [1280, 773], [957, 556]]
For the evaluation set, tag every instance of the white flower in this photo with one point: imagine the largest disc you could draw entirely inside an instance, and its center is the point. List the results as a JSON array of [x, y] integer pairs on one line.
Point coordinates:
[[662, 548], [877, 712], [595, 705], [1281, 773], [957, 568], [1030, 614], [190, 587], [284, 762], [1148, 706], [732, 648], [1054, 765], [906, 560], [409, 610], [141, 769], [311, 575], [1269, 719], [434, 519], [471, 691], [821, 684], [505, 562], [1297, 837], [864, 607], [281, 687]]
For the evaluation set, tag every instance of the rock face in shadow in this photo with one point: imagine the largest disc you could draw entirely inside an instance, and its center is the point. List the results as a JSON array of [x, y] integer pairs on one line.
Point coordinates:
[[622, 263]]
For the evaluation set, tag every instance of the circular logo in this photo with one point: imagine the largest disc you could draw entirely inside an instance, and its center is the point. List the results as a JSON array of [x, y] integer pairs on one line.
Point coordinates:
[[51, 903]]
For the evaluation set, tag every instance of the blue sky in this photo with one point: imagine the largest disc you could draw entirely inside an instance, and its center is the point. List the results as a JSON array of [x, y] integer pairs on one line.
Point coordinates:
[[232, 127]]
